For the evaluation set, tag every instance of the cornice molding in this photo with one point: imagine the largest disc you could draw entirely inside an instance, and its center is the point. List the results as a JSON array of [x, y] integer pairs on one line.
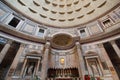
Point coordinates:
[[20, 34], [102, 35]]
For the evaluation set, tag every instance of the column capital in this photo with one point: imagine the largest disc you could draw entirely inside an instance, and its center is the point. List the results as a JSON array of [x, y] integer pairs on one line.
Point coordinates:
[[100, 45], [112, 41], [9, 42], [47, 45], [78, 45], [22, 45]]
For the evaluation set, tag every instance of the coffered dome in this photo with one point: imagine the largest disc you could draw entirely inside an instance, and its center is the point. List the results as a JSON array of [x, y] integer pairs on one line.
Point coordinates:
[[63, 13], [59, 39]]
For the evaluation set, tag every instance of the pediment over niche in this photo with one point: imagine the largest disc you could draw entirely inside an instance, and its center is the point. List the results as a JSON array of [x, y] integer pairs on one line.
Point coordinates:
[[91, 53], [34, 53]]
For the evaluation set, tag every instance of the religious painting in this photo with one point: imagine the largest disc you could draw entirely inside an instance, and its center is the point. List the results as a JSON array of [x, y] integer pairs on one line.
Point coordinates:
[[62, 61]]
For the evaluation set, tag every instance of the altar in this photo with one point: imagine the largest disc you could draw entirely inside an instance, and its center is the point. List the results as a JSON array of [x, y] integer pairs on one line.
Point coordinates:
[[64, 79], [77, 78]]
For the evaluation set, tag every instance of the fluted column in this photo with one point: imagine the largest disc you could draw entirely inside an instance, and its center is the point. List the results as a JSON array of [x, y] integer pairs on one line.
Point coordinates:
[[5, 50], [81, 61], [115, 47], [15, 61], [45, 62], [108, 61]]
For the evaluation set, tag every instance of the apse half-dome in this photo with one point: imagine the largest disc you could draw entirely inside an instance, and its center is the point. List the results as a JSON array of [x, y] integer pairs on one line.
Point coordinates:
[[62, 41]]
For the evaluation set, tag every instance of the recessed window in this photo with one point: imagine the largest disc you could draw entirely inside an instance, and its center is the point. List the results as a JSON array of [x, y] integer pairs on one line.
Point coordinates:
[[82, 33], [41, 30], [107, 23], [14, 22]]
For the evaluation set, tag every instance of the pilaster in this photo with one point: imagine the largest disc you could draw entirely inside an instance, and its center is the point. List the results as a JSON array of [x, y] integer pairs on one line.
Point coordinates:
[[81, 61], [45, 61], [38, 64]]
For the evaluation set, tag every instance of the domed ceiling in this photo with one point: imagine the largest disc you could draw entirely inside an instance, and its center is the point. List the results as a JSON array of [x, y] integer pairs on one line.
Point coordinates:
[[63, 13]]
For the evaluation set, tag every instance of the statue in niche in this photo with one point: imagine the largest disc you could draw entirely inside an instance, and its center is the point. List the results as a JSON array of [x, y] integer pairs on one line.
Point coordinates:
[[94, 69], [30, 68]]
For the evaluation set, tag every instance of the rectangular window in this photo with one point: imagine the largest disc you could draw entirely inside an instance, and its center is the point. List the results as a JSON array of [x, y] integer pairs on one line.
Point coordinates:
[[41, 32], [107, 23], [83, 33], [14, 22]]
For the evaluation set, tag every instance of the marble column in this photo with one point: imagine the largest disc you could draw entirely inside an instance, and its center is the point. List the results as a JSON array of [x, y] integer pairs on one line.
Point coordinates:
[[15, 61], [101, 67], [38, 64], [5, 50], [108, 61], [115, 47], [88, 67], [81, 61], [23, 67], [45, 62]]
